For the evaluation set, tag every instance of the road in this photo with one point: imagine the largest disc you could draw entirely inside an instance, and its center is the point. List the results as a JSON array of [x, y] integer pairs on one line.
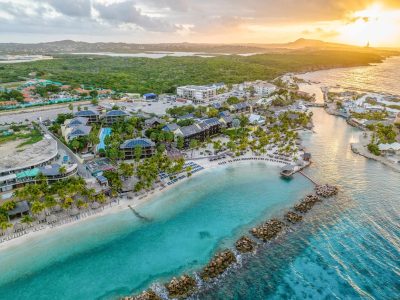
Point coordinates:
[[82, 171]]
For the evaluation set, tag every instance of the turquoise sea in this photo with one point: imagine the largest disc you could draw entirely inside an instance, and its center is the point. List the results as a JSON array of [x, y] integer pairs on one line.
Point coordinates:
[[346, 248]]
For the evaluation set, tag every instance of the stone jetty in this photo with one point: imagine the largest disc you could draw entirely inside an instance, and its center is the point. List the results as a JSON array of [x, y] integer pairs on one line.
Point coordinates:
[[244, 244], [307, 203], [181, 287], [146, 295], [326, 190], [218, 264], [292, 217], [268, 230]]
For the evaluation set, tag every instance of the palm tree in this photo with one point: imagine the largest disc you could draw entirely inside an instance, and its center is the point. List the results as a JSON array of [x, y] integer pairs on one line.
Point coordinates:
[[37, 207], [62, 170], [5, 225], [27, 219]]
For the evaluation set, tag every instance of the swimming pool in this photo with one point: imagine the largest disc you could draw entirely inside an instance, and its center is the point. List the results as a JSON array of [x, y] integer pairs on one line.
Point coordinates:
[[103, 133]]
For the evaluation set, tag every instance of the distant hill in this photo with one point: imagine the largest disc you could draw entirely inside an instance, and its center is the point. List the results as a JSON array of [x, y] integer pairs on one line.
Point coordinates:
[[69, 46]]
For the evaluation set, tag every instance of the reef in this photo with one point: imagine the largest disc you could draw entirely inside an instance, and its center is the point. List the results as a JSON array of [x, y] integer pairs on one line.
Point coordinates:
[[268, 230], [218, 264], [244, 244], [292, 217], [181, 287]]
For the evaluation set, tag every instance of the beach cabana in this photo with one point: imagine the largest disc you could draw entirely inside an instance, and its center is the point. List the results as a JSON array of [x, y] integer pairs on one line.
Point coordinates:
[[20, 209]]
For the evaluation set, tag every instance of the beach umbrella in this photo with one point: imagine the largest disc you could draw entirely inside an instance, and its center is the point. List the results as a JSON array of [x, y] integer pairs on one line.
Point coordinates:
[[74, 212], [95, 205], [18, 227], [51, 219], [41, 217]]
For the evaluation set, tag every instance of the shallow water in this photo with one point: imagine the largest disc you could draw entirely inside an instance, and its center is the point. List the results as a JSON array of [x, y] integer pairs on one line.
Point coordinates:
[[117, 254]]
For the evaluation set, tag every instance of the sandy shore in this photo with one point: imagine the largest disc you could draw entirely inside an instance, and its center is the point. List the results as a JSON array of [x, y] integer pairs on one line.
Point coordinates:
[[124, 202]]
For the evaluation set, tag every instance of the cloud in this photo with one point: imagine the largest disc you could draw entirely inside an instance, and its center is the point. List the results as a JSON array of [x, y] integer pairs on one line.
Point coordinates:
[[192, 20], [126, 12], [74, 8]]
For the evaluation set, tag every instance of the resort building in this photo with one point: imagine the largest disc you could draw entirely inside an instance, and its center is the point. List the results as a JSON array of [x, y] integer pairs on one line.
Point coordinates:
[[256, 119], [76, 127], [150, 96], [390, 149], [197, 93], [129, 146], [114, 116], [264, 88], [199, 131], [92, 116], [240, 107], [153, 122], [20, 167], [171, 128]]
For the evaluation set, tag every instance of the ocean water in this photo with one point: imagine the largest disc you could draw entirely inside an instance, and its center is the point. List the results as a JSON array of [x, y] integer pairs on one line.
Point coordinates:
[[347, 248], [117, 254], [378, 77]]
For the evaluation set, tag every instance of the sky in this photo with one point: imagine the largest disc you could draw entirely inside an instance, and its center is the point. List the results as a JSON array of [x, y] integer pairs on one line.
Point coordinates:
[[355, 22]]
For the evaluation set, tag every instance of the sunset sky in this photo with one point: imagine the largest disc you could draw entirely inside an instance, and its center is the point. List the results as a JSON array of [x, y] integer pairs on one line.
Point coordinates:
[[207, 21]]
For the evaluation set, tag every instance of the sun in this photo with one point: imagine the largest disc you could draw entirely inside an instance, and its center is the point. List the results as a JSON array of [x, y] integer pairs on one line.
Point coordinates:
[[374, 25]]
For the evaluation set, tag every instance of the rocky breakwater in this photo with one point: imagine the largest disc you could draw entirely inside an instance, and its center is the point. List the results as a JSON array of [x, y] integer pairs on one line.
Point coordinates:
[[218, 265], [292, 217], [326, 190], [307, 203], [245, 245], [182, 287], [268, 230], [146, 295]]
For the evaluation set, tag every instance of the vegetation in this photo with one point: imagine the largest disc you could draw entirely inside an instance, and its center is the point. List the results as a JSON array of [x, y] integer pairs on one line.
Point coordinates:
[[11, 95], [22, 132], [371, 115], [164, 75]]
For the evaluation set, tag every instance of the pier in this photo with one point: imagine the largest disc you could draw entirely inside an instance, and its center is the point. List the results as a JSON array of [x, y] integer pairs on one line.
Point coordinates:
[[308, 177], [139, 215]]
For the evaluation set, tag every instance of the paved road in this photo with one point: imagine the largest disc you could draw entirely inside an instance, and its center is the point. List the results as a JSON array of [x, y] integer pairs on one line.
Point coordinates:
[[82, 171]]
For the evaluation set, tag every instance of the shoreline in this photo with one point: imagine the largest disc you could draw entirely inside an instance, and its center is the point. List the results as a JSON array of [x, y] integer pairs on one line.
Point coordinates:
[[124, 203]]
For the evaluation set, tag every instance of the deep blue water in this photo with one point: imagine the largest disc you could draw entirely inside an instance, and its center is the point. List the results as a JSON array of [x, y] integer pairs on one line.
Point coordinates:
[[348, 248]]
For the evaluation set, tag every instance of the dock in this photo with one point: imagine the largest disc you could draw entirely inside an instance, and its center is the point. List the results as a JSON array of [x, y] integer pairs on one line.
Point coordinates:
[[308, 177], [139, 215]]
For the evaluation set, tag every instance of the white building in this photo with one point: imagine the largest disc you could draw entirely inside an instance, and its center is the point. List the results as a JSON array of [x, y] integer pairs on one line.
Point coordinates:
[[199, 93], [264, 88]]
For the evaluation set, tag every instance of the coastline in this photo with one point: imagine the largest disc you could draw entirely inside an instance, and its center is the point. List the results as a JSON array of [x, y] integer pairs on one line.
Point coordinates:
[[124, 203]]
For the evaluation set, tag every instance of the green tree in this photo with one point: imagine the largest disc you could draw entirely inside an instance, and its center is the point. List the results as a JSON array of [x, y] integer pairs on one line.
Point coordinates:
[[138, 153], [70, 107], [180, 142]]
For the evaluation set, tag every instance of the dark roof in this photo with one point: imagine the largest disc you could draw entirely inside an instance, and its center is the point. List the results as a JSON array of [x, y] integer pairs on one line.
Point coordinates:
[[227, 119], [190, 130], [211, 122], [79, 131], [216, 105], [240, 105], [140, 142], [171, 127], [224, 113], [77, 121], [86, 113], [102, 179], [20, 207], [187, 116], [116, 113], [150, 95], [153, 121], [51, 170]]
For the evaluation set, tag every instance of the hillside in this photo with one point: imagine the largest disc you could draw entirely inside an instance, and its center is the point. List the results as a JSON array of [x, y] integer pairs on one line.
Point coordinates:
[[68, 46]]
